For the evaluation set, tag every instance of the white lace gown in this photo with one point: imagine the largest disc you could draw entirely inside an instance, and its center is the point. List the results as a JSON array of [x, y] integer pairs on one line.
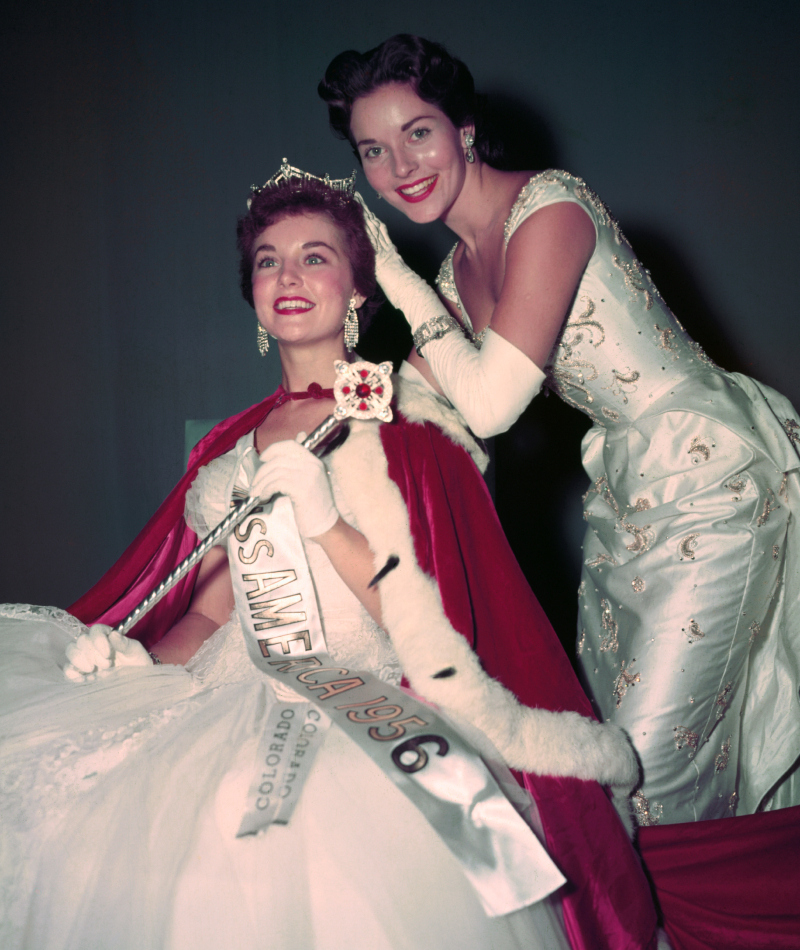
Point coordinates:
[[120, 801]]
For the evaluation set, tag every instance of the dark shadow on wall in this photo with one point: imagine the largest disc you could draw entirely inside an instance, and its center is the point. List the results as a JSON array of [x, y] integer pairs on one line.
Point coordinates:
[[527, 142]]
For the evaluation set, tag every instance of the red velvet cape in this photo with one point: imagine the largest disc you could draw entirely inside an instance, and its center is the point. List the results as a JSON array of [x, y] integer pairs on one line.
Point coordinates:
[[458, 540]]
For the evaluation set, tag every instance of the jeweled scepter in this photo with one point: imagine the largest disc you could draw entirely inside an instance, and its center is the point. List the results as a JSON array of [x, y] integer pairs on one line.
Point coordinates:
[[362, 391]]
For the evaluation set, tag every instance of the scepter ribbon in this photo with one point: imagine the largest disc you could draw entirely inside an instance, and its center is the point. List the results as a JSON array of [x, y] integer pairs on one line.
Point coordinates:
[[362, 391]]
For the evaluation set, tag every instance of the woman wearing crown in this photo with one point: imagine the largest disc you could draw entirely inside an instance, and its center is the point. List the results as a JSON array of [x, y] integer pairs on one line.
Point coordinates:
[[143, 799]]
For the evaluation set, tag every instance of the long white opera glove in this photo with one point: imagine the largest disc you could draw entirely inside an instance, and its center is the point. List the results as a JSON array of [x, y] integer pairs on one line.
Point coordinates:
[[490, 387], [288, 468], [101, 648]]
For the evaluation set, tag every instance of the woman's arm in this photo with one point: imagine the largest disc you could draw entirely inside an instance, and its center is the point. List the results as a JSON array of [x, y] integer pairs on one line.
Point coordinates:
[[350, 554], [213, 601], [545, 260], [209, 608], [103, 648], [420, 363], [422, 366]]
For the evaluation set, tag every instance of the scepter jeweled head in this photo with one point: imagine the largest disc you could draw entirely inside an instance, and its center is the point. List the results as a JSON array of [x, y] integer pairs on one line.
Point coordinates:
[[363, 390]]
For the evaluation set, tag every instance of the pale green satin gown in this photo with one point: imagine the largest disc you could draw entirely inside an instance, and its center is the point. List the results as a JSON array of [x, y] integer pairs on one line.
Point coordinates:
[[689, 627]]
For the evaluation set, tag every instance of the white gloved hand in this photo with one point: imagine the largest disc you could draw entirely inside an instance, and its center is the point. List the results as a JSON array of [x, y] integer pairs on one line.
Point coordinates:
[[377, 232], [101, 649], [405, 289], [289, 469]]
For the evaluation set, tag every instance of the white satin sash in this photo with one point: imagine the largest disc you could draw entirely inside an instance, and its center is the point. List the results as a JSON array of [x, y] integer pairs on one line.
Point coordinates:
[[426, 758]]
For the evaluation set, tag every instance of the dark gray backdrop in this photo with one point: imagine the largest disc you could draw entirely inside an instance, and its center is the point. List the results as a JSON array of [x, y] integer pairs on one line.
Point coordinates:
[[132, 130]]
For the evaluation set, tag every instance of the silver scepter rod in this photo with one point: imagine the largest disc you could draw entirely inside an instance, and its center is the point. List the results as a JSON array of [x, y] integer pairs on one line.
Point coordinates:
[[375, 385]]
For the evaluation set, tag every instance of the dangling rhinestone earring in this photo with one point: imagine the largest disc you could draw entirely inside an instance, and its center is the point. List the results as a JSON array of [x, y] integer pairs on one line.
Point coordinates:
[[469, 141], [262, 340], [351, 326]]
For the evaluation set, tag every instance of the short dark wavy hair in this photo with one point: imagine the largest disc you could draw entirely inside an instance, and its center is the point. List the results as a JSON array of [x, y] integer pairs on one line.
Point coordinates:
[[301, 196], [435, 75]]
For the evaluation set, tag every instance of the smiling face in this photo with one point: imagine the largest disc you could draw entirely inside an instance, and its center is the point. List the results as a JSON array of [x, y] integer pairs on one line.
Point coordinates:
[[413, 155], [302, 280]]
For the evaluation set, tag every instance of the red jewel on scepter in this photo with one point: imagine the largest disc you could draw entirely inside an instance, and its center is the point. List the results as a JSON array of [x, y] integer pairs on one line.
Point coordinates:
[[365, 389]]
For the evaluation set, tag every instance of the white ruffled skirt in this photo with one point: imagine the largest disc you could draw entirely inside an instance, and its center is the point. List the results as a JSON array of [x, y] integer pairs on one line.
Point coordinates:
[[120, 801]]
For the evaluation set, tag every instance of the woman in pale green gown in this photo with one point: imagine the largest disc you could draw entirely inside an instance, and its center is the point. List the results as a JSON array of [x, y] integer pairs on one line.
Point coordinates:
[[689, 629]]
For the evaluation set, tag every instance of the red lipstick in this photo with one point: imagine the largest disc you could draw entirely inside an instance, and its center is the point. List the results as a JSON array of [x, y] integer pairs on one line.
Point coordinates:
[[417, 195], [283, 305]]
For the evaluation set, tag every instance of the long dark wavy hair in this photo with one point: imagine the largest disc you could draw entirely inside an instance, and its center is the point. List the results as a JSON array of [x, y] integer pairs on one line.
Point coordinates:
[[435, 76], [307, 196]]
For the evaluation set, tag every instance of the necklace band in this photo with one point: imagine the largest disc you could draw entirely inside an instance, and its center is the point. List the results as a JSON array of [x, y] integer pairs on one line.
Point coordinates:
[[314, 391]]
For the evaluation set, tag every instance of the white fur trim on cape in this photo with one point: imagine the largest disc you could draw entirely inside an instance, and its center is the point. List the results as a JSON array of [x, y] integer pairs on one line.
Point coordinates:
[[533, 740], [419, 403]]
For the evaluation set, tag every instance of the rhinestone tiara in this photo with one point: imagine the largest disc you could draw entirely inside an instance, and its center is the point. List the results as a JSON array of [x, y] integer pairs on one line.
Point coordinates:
[[288, 172]]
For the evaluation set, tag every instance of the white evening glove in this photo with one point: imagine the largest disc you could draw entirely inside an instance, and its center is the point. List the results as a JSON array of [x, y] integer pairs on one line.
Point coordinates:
[[288, 468], [102, 648], [490, 387]]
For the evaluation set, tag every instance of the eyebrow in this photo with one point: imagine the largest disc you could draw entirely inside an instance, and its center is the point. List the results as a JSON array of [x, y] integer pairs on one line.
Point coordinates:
[[403, 128], [306, 246]]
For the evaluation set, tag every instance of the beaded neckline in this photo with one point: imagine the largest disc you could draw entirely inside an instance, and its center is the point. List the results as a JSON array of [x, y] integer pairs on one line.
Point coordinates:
[[521, 198]]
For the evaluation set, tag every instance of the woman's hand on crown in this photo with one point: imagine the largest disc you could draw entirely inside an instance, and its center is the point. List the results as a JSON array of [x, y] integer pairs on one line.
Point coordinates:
[[405, 289], [378, 235]]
